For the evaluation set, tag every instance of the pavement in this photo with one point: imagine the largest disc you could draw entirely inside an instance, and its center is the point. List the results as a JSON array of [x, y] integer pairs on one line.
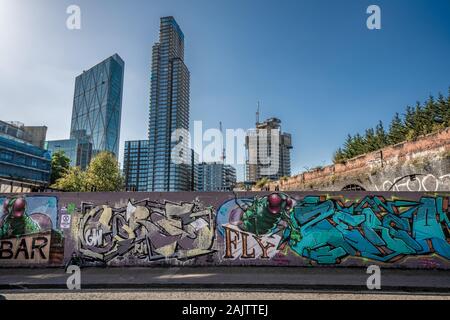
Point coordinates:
[[227, 295], [350, 280]]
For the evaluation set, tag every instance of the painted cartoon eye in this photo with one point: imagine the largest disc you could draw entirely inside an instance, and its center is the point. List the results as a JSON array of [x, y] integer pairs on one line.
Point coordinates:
[[274, 203], [274, 200], [289, 204]]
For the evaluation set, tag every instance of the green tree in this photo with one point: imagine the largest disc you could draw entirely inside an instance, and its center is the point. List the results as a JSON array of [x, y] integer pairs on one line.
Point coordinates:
[[409, 122], [348, 150], [381, 137], [370, 140], [414, 122], [339, 156], [439, 115], [397, 130], [103, 173], [74, 180], [359, 145], [430, 114], [59, 166], [417, 121]]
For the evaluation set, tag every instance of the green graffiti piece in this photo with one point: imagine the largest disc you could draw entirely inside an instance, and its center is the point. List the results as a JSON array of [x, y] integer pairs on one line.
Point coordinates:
[[17, 222], [16, 227], [264, 214], [326, 231], [71, 208]]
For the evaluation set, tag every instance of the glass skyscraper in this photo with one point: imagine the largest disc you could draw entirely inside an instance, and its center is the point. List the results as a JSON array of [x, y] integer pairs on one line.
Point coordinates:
[[135, 165], [97, 105], [169, 110]]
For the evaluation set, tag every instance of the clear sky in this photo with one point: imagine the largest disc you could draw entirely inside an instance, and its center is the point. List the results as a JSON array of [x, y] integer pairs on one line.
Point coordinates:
[[313, 64]]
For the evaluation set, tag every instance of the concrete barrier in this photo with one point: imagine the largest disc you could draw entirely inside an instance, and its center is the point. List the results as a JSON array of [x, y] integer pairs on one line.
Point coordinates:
[[397, 230]]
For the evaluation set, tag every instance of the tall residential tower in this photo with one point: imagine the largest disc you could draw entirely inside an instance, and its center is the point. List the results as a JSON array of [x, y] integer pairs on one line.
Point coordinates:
[[169, 111]]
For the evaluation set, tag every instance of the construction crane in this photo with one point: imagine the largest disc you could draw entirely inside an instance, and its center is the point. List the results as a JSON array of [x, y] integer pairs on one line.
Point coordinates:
[[223, 145], [257, 114]]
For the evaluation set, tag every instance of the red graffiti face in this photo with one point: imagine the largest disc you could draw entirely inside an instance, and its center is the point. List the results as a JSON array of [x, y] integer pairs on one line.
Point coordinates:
[[18, 209]]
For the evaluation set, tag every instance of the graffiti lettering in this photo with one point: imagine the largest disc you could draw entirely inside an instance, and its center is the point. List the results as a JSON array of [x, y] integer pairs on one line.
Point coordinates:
[[243, 245], [27, 225], [327, 231], [30, 248], [94, 237], [420, 183], [147, 230]]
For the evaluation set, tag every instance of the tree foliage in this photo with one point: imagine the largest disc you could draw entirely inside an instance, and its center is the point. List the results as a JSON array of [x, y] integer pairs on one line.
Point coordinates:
[[74, 180], [432, 116], [103, 174], [60, 165]]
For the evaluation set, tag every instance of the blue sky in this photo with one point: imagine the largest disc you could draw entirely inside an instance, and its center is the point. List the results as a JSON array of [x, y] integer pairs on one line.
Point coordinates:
[[313, 64]]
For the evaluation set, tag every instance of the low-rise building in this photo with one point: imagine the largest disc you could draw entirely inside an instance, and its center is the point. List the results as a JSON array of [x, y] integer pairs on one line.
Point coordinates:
[[24, 166]]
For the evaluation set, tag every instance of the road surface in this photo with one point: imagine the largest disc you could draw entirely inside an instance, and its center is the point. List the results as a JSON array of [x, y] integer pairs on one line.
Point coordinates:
[[212, 295]]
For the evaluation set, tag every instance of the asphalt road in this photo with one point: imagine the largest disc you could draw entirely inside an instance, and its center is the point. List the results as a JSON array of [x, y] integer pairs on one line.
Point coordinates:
[[351, 280], [212, 295]]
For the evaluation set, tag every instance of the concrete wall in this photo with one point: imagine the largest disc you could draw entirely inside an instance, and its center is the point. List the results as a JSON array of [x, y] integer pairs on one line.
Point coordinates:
[[399, 230], [428, 157]]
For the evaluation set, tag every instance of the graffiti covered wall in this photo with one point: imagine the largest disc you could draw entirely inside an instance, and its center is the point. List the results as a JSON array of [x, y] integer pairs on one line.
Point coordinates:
[[399, 230], [145, 231], [28, 231]]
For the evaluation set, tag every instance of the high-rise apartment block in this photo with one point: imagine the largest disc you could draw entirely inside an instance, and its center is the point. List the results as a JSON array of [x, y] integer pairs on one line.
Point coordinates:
[[169, 112], [216, 176], [268, 151], [135, 165]]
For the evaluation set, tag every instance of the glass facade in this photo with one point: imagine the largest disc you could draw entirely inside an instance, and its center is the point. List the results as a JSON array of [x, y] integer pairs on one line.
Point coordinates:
[[216, 176], [135, 165], [169, 110], [97, 105], [79, 151]]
